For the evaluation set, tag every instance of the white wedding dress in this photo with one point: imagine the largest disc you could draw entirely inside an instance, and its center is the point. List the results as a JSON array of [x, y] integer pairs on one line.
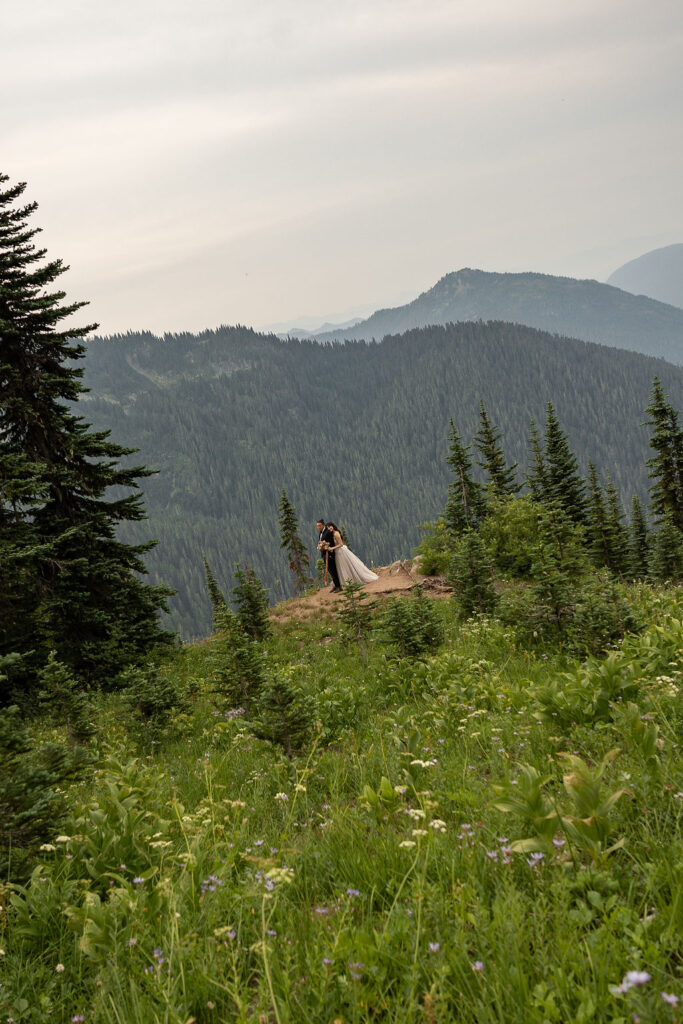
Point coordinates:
[[350, 567]]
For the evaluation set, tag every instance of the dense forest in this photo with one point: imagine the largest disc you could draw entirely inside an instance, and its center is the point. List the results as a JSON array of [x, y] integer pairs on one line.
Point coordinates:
[[563, 305], [357, 432]]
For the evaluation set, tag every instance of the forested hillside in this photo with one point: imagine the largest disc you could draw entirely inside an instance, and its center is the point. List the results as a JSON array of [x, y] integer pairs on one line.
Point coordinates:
[[563, 305], [355, 432]]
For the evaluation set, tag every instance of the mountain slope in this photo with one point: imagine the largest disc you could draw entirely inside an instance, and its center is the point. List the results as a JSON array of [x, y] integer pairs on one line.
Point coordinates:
[[355, 432], [657, 274], [562, 305]]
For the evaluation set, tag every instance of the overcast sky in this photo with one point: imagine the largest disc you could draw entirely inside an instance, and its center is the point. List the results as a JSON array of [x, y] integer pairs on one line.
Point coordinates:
[[252, 161]]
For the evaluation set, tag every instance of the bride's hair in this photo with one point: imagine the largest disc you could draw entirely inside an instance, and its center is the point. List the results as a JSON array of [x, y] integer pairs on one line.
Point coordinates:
[[331, 526]]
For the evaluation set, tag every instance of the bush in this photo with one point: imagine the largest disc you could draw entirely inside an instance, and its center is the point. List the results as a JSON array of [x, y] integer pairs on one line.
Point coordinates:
[[435, 548], [510, 534], [413, 627], [470, 574], [31, 805]]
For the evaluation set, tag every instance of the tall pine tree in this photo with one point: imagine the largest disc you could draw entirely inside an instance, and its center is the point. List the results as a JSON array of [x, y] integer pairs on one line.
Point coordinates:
[[299, 562], [74, 588], [666, 465], [565, 486], [502, 479], [638, 554], [537, 477], [465, 506]]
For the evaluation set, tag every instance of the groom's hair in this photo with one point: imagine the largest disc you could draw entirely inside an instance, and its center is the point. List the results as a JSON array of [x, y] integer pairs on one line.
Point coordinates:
[[320, 521]]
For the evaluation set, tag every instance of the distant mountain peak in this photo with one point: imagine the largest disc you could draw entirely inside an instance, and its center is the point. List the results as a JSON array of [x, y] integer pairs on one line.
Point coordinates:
[[657, 274], [584, 309]]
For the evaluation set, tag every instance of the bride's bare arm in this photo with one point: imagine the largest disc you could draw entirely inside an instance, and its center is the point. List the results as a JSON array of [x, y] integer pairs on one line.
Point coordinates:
[[337, 540]]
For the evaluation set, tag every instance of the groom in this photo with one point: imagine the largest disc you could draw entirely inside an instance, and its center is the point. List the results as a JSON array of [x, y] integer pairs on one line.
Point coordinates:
[[325, 537]]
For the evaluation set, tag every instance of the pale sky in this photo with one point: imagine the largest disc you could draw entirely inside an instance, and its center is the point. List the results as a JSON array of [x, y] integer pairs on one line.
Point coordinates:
[[252, 161]]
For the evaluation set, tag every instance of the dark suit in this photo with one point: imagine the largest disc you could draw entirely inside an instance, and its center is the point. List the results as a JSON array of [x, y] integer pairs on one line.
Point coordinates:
[[328, 536]]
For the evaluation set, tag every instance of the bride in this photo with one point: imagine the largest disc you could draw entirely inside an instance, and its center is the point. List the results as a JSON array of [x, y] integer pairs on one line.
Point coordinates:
[[349, 566]]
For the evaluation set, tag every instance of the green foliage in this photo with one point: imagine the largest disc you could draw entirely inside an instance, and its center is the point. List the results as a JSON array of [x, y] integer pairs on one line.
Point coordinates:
[[565, 488], [218, 602], [435, 548], [285, 713], [356, 616], [65, 701], [465, 506], [510, 534], [73, 585], [666, 465], [211, 433], [251, 599], [638, 551], [153, 696], [209, 877], [602, 615], [31, 795], [588, 693], [666, 551], [585, 819], [501, 477], [299, 562], [411, 626], [238, 667], [470, 574]]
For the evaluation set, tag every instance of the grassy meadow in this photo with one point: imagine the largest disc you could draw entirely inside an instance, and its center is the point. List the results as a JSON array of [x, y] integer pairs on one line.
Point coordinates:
[[489, 833]]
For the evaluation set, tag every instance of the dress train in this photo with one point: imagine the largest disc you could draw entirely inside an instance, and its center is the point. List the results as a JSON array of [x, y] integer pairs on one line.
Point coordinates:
[[350, 567]]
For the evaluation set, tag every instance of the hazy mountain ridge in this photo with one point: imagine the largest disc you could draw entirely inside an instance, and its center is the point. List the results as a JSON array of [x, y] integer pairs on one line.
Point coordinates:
[[356, 431], [564, 306], [657, 274]]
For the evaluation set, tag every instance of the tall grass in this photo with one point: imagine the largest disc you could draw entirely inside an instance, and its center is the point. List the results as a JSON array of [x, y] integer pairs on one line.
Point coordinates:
[[447, 847]]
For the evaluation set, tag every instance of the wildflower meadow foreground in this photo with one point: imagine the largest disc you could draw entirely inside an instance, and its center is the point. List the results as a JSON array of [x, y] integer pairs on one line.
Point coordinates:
[[489, 830]]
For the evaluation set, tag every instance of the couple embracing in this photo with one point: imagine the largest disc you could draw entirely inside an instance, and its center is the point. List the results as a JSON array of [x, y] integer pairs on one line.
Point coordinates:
[[341, 561]]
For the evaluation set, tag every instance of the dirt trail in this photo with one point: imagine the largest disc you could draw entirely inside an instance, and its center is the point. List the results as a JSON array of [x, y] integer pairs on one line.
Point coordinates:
[[393, 579]]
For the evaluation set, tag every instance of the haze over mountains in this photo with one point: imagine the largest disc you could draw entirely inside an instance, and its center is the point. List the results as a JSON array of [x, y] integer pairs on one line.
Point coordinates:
[[658, 274], [566, 306]]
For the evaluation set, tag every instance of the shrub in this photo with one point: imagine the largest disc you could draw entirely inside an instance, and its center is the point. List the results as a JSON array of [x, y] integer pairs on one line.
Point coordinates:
[[470, 574], [31, 805], [413, 627]]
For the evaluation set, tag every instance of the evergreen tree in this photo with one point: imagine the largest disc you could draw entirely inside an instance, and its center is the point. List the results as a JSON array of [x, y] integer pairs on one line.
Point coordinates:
[[32, 784], [666, 555], [666, 465], [638, 542], [565, 486], [252, 604], [356, 616], [74, 587], [597, 530], [502, 479], [537, 478], [239, 667], [65, 701], [299, 562], [617, 534], [470, 574], [286, 713], [465, 506], [559, 565], [218, 602]]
